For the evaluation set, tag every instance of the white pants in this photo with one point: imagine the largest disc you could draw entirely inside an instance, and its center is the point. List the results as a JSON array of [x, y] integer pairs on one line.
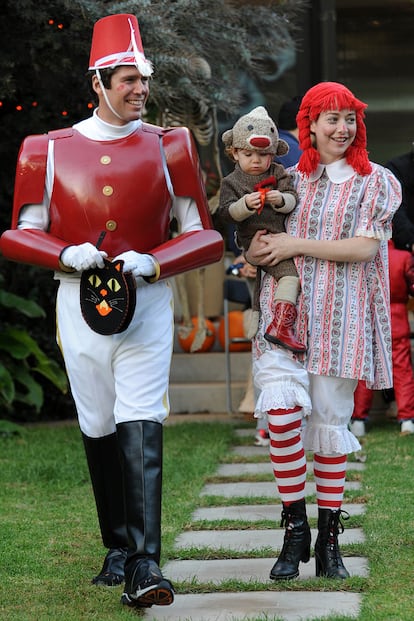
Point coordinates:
[[122, 377]]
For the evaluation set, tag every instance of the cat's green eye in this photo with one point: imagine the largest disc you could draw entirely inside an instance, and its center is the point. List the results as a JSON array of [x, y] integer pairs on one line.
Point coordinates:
[[94, 280], [113, 285]]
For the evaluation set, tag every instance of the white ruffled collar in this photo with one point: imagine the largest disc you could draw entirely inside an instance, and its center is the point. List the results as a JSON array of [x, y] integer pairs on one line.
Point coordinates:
[[338, 171]]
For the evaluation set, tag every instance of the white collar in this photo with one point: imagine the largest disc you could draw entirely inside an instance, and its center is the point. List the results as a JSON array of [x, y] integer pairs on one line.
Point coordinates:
[[338, 171], [95, 128]]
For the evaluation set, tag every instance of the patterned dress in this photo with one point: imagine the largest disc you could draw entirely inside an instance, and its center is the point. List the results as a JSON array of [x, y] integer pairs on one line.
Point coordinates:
[[343, 309]]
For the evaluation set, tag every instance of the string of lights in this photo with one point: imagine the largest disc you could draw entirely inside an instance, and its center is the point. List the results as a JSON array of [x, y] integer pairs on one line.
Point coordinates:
[[27, 105]]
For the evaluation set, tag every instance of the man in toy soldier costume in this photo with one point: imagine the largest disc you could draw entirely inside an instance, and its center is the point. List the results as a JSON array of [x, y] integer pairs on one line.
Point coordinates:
[[118, 180]]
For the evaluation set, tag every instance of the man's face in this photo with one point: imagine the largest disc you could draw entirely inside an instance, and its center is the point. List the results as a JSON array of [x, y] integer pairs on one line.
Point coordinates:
[[128, 94]]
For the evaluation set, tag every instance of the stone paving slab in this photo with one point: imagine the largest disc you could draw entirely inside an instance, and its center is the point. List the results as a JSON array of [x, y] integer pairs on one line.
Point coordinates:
[[250, 539], [254, 451], [238, 470], [254, 513], [244, 433], [250, 451], [257, 605], [246, 569], [258, 489]]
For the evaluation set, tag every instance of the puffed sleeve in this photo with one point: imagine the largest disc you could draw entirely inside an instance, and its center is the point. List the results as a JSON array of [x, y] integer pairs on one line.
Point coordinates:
[[380, 201]]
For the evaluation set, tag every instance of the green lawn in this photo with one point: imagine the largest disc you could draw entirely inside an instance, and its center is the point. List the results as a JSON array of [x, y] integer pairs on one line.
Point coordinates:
[[50, 546]]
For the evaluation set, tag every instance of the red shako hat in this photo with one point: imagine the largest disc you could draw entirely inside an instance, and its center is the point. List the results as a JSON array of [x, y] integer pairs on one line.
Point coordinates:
[[116, 40], [331, 96]]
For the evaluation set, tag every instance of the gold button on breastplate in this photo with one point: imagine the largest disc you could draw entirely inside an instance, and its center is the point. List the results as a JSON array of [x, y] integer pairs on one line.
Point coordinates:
[[107, 190], [111, 225], [105, 159]]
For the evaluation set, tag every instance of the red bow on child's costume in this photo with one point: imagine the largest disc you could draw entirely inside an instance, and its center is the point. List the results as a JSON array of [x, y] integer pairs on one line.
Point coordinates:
[[263, 187]]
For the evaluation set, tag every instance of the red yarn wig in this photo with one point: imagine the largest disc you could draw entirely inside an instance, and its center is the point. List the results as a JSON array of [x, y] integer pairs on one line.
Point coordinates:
[[321, 98]]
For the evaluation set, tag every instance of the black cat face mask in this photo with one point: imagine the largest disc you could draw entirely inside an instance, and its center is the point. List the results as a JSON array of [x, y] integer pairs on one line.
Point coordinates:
[[107, 298]]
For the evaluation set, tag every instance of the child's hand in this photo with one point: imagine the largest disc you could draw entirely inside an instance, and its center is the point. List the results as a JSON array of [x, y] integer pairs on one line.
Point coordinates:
[[253, 200], [247, 270], [275, 198]]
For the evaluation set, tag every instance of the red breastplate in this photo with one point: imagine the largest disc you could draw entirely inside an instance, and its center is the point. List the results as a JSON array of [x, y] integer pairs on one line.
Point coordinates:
[[116, 186]]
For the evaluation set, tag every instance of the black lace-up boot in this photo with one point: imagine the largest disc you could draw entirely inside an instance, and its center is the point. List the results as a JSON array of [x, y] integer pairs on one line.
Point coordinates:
[[296, 543], [327, 555]]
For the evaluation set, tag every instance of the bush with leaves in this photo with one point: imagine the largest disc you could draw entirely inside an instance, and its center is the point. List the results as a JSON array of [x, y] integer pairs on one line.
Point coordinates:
[[22, 361]]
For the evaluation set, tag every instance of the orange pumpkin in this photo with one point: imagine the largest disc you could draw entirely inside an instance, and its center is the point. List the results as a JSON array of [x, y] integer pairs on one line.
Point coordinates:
[[236, 330], [186, 342]]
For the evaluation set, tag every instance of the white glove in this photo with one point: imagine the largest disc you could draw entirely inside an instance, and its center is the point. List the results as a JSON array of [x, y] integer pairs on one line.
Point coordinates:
[[137, 263], [83, 257]]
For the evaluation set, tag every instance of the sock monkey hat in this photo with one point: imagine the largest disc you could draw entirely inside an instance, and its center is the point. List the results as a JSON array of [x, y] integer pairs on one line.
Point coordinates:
[[321, 98], [255, 131]]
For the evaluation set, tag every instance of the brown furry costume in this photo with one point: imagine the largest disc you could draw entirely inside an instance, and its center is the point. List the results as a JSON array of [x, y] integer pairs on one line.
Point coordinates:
[[256, 131], [237, 184]]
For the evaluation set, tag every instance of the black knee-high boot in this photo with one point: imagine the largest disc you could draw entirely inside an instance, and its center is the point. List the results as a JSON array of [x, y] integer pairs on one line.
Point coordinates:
[[327, 555], [106, 476], [296, 543], [140, 444]]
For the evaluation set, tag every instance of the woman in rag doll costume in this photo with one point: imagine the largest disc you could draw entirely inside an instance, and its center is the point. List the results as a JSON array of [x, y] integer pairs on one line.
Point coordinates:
[[338, 237]]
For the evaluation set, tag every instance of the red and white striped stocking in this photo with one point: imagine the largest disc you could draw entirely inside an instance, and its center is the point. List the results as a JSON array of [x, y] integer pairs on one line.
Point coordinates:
[[329, 472], [287, 453]]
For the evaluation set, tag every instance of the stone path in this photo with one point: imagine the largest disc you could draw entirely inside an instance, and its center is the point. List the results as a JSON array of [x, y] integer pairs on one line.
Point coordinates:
[[223, 604]]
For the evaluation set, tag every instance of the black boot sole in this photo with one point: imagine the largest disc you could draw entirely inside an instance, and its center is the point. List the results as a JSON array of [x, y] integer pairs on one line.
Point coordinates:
[[276, 341], [108, 580], [161, 594], [286, 577], [112, 572], [304, 559]]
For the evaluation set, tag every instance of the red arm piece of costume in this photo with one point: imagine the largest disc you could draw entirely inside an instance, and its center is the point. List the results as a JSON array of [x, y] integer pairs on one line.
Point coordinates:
[[31, 246], [34, 247], [184, 168], [193, 249], [29, 184], [187, 252]]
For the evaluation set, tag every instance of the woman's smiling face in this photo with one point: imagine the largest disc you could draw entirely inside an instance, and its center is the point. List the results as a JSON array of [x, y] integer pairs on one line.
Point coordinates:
[[333, 132]]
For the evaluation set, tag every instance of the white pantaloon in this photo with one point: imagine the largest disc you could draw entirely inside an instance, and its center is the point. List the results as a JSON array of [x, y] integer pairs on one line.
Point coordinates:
[[326, 430], [327, 402]]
